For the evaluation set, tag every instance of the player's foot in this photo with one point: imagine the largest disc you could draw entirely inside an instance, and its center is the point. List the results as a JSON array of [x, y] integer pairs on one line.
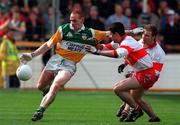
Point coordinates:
[[37, 116], [134, 114], [123, 116], [156, 119], [118, 114]]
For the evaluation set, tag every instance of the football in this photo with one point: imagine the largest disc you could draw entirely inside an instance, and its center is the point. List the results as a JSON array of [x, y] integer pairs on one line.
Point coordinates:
[[24, 72]]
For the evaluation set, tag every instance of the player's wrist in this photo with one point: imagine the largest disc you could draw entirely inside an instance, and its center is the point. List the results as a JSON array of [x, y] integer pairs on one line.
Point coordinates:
[[33, 55], [98, 52]]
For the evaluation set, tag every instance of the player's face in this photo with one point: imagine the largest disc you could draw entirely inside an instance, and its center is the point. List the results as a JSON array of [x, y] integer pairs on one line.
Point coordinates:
[[147, 37], [115, 37], [76, 21]]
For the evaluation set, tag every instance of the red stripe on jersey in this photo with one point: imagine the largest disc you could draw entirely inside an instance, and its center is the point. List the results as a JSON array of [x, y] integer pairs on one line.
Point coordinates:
[[157, 66], [129, 49], [115, 54], [152, 46], [133, 57], [122, 38], [109, 46]]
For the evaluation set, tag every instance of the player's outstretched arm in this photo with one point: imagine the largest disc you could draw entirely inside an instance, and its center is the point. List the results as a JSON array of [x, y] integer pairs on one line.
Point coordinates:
[[26, 57], [135, 31], [108, 53]]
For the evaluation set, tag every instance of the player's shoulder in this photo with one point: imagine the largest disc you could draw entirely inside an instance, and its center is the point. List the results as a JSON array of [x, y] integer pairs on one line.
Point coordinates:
[[65, 25], [129, 41], [160, 49], [64, 28]]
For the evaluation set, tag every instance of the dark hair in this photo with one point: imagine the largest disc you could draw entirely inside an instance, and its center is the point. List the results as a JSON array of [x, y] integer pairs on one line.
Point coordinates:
[[117, 27], [152, 28]]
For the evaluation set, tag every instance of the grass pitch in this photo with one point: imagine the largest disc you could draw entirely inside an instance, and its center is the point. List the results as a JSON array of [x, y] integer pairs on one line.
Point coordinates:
[[80, 108]]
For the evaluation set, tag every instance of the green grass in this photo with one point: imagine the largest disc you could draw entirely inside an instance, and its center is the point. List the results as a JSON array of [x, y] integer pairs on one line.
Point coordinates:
[[80, 108]]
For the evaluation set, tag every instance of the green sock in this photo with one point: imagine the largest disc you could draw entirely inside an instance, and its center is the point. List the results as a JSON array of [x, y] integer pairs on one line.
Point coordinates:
[[41, 109]]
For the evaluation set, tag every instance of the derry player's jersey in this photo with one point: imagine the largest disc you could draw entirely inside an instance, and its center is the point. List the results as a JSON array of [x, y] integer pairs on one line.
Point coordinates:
[[133, 53], [157, 54], [70, 44]]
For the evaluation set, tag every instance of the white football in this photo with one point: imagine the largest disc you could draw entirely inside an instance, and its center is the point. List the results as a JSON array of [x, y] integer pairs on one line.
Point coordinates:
[[24, 72]]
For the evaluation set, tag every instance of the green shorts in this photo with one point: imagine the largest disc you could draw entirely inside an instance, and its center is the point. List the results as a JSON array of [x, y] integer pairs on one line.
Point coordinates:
[[57, 63]]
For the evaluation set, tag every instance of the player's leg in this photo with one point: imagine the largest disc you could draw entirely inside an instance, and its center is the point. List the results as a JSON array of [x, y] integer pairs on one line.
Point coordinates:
[[137, 94], [60, 80], [122, 89], [123, 110], [45, 81], [148, 109]]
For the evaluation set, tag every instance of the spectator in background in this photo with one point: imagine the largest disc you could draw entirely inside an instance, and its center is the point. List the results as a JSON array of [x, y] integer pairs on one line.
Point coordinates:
[[24, 11], [148, 18], [126, 4], [171, 31], [4, 22], [106, 7], [33, 32], [162, 11], [17, 24], [48, 21], [9, 59], [87, 4], [128, 14], [138, 8], [118, 17], [5, 5], [94, 20]]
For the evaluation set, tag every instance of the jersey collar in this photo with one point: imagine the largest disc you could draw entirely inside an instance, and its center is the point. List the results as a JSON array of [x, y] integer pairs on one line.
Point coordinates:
[[82, 28], [153, 45], [122, 38]]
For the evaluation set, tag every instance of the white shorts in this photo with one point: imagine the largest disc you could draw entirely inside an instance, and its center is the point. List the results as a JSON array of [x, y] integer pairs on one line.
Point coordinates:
[[57, 63]]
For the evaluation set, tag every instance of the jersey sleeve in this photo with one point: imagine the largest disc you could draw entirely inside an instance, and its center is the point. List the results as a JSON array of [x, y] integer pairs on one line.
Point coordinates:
[[57, 37], [122, 52], [109, 46], [100, 35]]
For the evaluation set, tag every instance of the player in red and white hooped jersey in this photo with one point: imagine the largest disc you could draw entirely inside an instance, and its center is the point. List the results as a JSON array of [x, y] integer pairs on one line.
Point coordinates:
[[157, 54], [135, 55]]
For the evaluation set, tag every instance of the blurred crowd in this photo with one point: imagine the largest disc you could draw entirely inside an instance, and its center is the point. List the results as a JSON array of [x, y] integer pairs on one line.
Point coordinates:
[[31, 20]]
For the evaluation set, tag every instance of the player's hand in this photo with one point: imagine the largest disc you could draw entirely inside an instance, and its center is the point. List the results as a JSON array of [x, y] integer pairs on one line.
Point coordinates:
[[121, 68], [92, 41], [138, 30], [26, 57], [92, 49]]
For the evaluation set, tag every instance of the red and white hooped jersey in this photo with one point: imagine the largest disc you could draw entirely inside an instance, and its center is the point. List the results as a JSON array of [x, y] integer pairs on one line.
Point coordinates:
[[133, 53], [157, 54]]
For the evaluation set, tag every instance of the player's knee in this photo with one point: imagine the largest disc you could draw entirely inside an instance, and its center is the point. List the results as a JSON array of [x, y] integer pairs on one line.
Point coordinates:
[[116, 90], [40, 86], [57, 86]]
